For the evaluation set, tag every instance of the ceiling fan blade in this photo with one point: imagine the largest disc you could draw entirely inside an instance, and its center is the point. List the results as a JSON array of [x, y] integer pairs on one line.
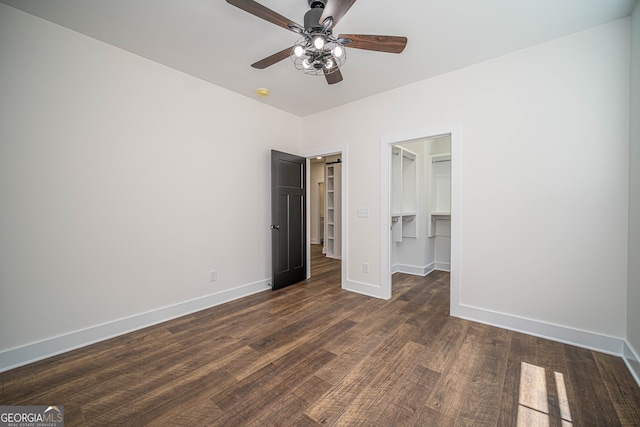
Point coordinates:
[[334, 77], [265, 13], [391, 44], [336, 9], [270, 60]]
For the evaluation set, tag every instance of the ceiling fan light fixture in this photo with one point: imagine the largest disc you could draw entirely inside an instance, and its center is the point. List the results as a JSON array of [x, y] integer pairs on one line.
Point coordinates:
[[318, 42], [298, 50], [310, 59]]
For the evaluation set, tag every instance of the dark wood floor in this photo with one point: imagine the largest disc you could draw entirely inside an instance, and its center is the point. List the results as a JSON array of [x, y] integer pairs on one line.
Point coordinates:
[[313, 354]]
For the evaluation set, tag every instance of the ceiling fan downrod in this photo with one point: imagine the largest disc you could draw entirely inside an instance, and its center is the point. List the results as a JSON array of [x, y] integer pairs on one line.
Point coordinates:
[[317, 3]]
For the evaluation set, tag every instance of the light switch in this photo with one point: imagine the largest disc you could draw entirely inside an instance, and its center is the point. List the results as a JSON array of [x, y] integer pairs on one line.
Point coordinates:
[[363, 212]]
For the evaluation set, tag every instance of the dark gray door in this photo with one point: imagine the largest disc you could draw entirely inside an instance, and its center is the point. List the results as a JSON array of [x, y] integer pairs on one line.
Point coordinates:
[[288, 225]]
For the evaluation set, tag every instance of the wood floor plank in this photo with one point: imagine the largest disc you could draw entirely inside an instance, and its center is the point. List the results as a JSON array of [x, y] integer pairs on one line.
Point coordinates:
[[430, 417], [308, 325], [522, 349], [416, 389], [431, 324], [623, 391], [550, 356], [262, 356], [332, 404], [330, 407], [254, 398], [371, 402], [281, 411], [593, 403], [202, 413], [445, 344], [436, 303], [453, 385], [270, 376], [482, 406], [311, 390], [393, 415], [370, 335], [315, 355], [341, 344], [162, 404]]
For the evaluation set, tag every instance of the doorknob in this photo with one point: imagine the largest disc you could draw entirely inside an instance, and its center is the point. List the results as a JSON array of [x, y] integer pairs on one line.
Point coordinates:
[[275, 227]]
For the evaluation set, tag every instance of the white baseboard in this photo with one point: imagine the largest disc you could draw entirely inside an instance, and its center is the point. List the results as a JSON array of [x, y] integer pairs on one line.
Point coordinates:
[[632, 360], [394, 268], [442, 266], [365, 289], [567, 335], [414, 269], [18, 356]]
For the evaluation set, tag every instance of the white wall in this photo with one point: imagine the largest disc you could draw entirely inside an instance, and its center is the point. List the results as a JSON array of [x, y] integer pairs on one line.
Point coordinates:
[[122, 183], [543, 146], [633, 293]]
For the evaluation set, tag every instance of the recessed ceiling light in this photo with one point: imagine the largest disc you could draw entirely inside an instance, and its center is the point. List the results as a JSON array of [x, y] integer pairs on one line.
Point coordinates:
[[262, 91]]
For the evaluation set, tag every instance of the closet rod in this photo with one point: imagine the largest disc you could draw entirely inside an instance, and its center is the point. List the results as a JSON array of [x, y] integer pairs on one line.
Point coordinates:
[[440, 161]]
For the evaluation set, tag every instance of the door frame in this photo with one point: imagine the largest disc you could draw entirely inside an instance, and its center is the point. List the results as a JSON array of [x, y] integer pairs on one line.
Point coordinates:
[[344, 234], [385, 206]]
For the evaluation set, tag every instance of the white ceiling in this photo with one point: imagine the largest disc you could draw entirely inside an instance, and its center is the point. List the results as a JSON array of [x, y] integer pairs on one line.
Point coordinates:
[[217, 42]]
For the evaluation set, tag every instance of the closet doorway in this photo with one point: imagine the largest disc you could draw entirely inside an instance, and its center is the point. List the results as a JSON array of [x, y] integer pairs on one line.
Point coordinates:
[[419, 190], [421, 206]]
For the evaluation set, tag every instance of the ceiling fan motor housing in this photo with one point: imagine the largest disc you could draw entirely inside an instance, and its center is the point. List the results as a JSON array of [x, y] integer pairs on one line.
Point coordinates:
[[312, 19]]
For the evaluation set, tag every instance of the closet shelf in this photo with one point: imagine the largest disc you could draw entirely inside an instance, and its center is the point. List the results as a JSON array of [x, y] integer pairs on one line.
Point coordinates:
[[404, 193]]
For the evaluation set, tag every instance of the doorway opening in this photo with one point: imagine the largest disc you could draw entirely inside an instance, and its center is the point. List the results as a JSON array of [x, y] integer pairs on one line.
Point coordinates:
[[326, 220], [421, 206], [419, 197]]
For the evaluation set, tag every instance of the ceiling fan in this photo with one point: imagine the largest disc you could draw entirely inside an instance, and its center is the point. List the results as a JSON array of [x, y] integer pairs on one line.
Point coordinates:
[[318, 51]]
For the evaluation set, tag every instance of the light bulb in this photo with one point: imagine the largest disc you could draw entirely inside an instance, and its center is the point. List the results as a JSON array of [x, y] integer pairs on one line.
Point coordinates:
[[306, 64], [329, 63], [337, 51], [298, 51], [318, 42]]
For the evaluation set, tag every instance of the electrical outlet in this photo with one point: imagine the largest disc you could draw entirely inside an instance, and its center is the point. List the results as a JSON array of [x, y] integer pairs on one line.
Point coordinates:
[[213, 275], [365, 267]]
